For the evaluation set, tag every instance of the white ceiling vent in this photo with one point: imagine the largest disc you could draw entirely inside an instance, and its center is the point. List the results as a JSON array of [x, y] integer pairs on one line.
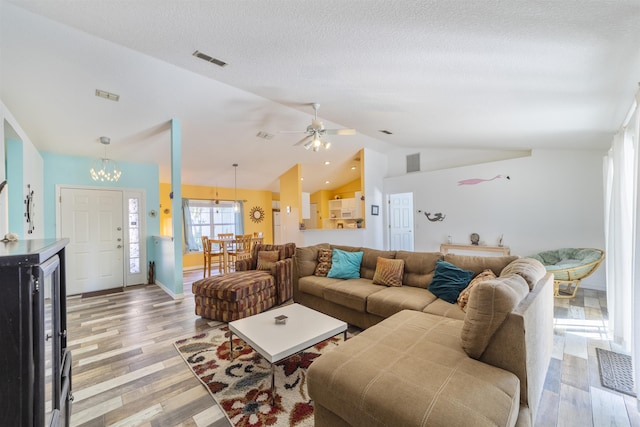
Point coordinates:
[[413, 163], [107, 95], [208, 58]]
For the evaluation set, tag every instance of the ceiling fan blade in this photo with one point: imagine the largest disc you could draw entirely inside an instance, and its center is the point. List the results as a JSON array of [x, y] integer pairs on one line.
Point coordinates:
[[340, 131], [303, 140], [293, 131]]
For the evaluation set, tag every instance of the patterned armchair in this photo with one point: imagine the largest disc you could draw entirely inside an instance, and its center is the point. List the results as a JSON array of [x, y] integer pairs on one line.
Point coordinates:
[[283, 271]]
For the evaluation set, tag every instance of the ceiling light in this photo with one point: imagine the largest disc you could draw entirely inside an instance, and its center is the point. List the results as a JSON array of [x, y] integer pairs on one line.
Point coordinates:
[[105, 169], [353, 168], [326, 182], [327, 162]]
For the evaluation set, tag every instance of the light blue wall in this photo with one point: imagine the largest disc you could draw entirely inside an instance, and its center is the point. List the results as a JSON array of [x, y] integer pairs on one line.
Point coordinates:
[[15, 162], [74, 170]]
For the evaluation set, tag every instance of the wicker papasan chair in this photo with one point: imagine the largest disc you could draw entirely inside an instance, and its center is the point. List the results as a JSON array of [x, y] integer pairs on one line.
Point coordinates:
[[569, 266]]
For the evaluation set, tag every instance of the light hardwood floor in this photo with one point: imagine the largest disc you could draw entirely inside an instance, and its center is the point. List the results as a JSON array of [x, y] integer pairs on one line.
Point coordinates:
[[126, 371]]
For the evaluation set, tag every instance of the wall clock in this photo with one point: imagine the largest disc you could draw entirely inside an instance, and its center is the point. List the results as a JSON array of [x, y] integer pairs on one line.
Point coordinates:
[[29, 209], [256, 213]]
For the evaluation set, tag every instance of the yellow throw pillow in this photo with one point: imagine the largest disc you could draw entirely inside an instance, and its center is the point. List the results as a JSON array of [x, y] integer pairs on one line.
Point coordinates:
[[388, 272], [463, 298], [267, 260]]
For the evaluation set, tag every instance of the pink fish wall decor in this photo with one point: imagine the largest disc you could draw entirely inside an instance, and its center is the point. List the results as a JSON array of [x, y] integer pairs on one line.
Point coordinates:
[[474, 181]]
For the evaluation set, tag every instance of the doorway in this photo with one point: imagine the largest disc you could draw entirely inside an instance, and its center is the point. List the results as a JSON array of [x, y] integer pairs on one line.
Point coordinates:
[[92, 219], [401, 222]]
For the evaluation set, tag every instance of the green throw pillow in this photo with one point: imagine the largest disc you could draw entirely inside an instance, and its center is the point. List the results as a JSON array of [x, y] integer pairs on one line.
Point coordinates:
[[449, 280], [345, 265]]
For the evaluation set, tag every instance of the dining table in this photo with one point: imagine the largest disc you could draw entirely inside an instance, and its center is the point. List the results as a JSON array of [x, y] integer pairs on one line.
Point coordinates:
[[227, 244]]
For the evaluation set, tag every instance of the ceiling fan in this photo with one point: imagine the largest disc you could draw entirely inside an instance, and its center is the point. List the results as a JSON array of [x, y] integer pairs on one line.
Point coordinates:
[[316, 132]]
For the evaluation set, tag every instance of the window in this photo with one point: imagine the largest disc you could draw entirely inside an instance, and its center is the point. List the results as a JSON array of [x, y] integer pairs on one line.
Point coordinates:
[[134, 235], [209, 218]]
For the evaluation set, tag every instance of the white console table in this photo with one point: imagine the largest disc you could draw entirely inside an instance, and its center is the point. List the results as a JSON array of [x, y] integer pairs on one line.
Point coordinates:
[[446, 247]]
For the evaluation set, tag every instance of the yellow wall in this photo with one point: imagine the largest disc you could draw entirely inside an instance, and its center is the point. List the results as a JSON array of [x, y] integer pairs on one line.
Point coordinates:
[[252, 198], [291, 191]]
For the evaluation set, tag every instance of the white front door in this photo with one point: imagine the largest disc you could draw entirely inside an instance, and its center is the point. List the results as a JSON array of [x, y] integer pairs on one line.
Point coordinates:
[[401, 222], [92, 220]]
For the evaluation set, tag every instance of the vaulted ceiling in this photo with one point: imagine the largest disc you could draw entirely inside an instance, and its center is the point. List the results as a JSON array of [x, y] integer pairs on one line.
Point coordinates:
[[465, 74]]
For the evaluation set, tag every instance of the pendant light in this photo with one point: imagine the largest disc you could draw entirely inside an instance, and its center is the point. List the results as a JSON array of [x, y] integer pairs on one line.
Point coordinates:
[[236, 206], [105, 169]]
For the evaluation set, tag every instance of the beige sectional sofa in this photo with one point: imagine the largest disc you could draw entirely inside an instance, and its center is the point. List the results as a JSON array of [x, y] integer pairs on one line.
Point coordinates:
[[421, 360]]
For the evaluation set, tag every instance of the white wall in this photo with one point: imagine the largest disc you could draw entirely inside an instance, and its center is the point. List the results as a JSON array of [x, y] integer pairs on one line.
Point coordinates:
[[553, 199], [375, 169]]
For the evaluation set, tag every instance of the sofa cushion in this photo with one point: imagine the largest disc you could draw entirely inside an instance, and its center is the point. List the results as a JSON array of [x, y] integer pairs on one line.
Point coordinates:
[[410, 370], [389, 301], [490, 303], [324, 262], [463, 298], [419, 267], [530, 269], [449, 281], [478, 264], [388, 272], [351, 293], [370, 261], [307, 259], [444, 309], [345, 265], [315, 285]]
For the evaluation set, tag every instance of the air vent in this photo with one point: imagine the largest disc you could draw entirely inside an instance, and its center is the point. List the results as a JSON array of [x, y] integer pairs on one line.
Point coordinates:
[[264, 135], [413, 163], [107, 95], [386, 132], [208, 58]]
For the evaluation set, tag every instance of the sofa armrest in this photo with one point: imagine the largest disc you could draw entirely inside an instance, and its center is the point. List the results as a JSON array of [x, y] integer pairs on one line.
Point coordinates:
[[244, 264], [284, 279]]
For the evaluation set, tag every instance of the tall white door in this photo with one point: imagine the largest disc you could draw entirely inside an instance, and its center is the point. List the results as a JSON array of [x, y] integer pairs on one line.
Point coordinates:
[[401, 222], [92, 220]]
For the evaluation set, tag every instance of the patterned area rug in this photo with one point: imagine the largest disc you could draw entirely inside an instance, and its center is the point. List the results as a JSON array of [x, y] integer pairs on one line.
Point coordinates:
[[616, 371], [242, 387]]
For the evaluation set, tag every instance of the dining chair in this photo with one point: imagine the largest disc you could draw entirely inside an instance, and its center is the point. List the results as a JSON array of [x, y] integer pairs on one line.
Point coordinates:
[[256, 241], [241, 249], [210, 251]]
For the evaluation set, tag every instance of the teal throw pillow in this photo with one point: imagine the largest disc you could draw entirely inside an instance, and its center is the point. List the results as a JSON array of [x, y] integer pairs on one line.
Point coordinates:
[[449, 281], [345, 265]]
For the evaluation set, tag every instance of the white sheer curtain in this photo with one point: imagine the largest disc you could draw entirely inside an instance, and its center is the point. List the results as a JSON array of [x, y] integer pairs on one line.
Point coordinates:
[[622, 238]]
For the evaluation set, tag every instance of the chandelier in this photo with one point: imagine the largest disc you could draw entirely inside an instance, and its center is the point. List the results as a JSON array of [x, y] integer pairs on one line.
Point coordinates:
[[105, 169]]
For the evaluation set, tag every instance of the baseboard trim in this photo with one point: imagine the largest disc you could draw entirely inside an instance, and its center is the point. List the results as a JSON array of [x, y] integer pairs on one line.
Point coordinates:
[[169, 291]]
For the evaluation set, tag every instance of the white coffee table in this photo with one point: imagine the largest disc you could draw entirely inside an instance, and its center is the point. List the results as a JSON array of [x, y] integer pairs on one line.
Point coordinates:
[[304, 328]]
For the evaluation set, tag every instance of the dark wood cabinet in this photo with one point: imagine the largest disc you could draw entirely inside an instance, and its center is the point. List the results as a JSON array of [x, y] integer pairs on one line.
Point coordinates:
[[35, 366]]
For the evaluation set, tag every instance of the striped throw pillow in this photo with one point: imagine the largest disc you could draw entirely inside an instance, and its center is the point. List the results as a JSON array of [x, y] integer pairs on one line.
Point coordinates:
[[388, 272]]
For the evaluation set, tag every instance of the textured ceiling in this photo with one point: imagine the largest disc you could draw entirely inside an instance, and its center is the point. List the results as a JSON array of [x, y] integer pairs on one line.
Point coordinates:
[[464, 74]]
